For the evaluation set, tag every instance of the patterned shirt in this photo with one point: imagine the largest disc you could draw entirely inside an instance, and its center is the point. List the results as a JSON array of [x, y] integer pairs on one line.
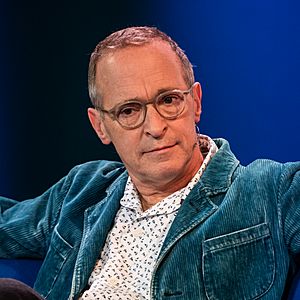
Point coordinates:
[[125, 267]]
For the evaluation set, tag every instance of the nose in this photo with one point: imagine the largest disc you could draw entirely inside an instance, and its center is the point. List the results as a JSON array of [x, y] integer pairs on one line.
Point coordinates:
[[155, 125]]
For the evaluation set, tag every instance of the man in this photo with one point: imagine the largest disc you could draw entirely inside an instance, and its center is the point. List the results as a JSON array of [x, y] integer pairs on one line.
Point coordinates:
[[180, 218]]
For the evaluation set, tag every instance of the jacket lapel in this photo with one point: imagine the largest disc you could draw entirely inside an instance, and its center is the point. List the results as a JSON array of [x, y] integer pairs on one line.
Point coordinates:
[[98, 221], [199, 204]]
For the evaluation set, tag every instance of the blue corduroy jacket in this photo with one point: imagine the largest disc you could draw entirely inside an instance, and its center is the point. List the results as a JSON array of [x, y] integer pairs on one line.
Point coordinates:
[[236, 235]]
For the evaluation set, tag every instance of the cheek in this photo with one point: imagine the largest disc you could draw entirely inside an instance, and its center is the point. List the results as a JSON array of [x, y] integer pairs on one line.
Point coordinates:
[[186, 127], [126, 144], [186, 132]]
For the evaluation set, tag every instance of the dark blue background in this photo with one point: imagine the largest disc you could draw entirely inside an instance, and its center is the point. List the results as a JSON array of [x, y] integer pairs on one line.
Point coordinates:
[[246, 56]]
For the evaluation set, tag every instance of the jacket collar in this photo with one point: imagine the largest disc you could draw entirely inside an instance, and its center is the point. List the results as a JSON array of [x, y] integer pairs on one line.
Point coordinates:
[[219, 172]]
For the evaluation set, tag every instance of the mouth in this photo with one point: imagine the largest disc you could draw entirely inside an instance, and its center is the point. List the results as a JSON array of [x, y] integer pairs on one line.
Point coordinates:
[[160, 149]]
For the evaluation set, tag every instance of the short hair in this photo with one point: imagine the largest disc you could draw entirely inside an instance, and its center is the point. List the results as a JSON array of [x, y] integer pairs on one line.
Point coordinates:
[[133, 36]]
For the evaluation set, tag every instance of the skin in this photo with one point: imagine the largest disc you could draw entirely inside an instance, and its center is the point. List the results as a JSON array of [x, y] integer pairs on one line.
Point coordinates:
[[162, 155]]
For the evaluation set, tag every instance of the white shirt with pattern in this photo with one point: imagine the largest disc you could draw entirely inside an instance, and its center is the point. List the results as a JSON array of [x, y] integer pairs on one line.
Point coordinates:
[[124, 269]]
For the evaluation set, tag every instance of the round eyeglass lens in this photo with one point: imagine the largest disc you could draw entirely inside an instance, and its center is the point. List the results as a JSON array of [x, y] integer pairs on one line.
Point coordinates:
[[170, 105], [130, 114]]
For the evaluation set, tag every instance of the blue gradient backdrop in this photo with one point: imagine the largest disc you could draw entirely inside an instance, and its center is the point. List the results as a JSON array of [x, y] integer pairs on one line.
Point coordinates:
[[5, 140], [246, 56]]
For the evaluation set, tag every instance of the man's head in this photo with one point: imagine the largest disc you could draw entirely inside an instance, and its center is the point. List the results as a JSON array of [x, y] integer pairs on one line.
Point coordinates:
[[133, 36], [160, 150]]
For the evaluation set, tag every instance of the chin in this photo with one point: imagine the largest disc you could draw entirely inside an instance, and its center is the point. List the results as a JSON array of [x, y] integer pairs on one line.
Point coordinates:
[[163, 173]]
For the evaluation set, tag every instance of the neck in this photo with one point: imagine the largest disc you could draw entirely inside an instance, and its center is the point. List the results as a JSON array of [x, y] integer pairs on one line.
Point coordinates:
[[153, 191]]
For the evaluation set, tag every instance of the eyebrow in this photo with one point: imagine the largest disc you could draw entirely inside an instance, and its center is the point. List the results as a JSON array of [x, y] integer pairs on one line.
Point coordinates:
[[160, 91]]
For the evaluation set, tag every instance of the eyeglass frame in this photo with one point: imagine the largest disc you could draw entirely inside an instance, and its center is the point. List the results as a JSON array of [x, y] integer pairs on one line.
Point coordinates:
[[113, 111]]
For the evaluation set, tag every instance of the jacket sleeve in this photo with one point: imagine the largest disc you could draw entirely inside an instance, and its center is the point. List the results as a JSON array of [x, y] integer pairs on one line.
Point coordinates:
[[289, 203], [25, 226]]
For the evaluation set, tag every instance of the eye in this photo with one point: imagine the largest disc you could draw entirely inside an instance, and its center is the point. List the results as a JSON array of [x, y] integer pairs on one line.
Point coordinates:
[[170, 99], [126, 111], [129, 109]]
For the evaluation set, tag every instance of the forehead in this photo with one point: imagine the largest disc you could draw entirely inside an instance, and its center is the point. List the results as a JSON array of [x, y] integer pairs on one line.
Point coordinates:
[[138, 71]]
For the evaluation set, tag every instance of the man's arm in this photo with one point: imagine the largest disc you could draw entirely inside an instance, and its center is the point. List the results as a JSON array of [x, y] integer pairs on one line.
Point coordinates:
[[26, 226], [289, 205]]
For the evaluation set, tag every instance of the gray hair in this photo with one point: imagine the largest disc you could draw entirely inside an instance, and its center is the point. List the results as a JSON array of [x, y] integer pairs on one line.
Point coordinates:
[[133, 36]]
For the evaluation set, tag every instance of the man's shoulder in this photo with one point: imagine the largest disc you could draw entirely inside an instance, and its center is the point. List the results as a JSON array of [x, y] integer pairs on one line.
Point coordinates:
[[103, 166], [263, 165], [270, 166], [256, 168], [98, 170], [262, 171]]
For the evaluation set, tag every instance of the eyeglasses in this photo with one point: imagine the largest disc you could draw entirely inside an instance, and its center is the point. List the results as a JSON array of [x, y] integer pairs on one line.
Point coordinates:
[[132, 114]]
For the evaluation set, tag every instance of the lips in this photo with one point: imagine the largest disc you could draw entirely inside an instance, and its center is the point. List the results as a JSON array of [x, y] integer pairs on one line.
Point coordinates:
[[159, 149]]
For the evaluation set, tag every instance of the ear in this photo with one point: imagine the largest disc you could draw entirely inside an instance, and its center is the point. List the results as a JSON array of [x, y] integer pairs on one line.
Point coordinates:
[[197, 94], [98, 125]]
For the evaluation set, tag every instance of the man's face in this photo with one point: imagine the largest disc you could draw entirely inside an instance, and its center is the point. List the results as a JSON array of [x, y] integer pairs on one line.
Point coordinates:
[[160, 151]]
